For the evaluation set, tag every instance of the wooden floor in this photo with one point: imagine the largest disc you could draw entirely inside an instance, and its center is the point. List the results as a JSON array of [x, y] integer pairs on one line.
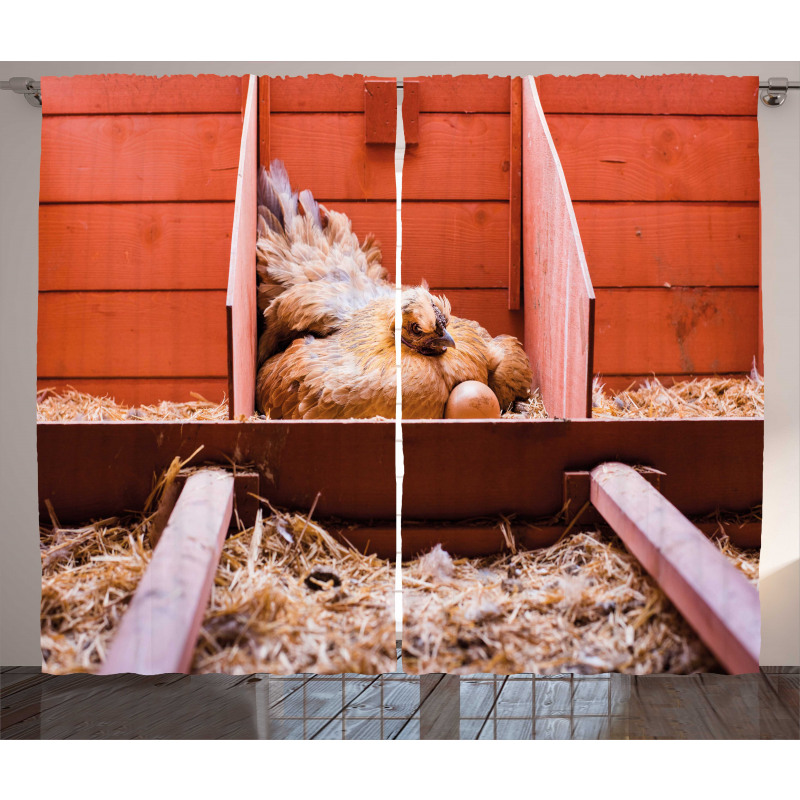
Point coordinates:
[[399, 706]]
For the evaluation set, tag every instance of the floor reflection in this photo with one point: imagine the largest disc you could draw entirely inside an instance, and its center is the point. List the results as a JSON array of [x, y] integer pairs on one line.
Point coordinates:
[[399, 706]]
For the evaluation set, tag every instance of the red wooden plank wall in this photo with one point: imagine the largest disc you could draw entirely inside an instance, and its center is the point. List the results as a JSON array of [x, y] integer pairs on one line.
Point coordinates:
[[316, 126], [459, 232], [663, 174], [138, 176]]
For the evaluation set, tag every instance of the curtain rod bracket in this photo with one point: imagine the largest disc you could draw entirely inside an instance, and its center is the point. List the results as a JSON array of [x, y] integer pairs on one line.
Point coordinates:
[[30, 89]]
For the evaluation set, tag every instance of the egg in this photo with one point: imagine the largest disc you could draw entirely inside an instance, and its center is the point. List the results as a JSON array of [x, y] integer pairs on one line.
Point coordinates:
[[472, 400]]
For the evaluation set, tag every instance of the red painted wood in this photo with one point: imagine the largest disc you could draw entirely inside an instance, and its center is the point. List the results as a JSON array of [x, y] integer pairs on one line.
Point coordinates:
[[376, 217], [318, 93], [89, 470], [559, 299], [139, 157], [134, 246], [411, 112], [241, 296], [515, 199], [456, 244], [652, 94], [326, 153], [711, 594], [264, 107], [459, 157], [683, 244], [707, 158], [159, 630], [517, 466], [144, 391], [488, 306], [463, 94], [126, 334], [140, 94], [675, 330], [380, 111]]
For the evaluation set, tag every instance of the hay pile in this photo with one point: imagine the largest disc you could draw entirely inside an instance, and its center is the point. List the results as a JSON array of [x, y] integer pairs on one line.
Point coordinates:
[[287, 598], [532, 408], [699, 397], [584, 605], [71, 405]]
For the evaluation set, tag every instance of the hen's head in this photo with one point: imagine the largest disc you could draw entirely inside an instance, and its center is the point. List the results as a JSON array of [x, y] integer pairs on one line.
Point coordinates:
[[425, 318]]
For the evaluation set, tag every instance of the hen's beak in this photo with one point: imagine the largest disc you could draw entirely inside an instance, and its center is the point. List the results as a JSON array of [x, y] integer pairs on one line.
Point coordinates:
[[443, 342]]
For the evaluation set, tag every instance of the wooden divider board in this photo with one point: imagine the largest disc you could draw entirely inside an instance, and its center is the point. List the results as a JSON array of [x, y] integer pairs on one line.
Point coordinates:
[[559, 299], [137, 186], [159, 630], [663, 173], [709, 592], [240, 305]]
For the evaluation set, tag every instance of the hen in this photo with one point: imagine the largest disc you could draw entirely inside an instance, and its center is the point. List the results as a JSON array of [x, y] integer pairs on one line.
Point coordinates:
[[327, 349]]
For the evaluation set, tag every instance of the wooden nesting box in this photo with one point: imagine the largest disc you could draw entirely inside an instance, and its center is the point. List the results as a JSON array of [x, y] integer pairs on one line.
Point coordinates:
[[609, 222]]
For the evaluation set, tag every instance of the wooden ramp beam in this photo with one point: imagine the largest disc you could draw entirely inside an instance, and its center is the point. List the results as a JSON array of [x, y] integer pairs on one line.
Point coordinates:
[[159, 630], [711, 594]]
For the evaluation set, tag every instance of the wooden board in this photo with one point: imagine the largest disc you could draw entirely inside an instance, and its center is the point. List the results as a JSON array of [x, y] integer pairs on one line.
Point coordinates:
[[651, 94], [459, 157], [140, 94], [327, 154], [317, 93], [159, 630], [134, 246], [456, 245], [515, 198], [675, 330], [710, 593], [559, 299], [380, 111], [683, 244], [91, 470], [139, 157], [143, 391], [609, 157], [517, 466], [619, 383], [240, 304], [467, 94], [126, 334], [488, 306]]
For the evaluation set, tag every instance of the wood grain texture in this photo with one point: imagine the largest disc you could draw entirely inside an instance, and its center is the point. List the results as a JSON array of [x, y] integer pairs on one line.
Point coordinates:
[[140, 94], [125, 334], [675, 330], [487, 306], [240, 304], [559, 299], [651, 94], [89, 470], [609, 157], [463, 94], [144, 391], [264, 109], [159, 630], [139, 157], [515, 199], [318, 93], [709, 592], [90, 246], [683, 244], [347, 171], [380, 111], [460, 245], [410, 112], [527, 460], [459, 157]]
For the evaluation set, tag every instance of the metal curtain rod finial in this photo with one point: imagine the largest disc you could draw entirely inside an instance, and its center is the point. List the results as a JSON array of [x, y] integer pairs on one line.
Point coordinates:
[[775, 90], [28, 87]]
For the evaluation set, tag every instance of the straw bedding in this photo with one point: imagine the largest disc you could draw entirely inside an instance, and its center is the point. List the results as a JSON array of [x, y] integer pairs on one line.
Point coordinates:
[[583, 606]]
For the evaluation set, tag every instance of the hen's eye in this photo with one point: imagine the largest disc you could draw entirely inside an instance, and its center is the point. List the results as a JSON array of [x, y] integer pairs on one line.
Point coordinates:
[[414, 328]]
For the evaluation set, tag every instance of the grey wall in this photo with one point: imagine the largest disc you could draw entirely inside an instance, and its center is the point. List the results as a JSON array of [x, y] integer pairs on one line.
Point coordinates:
[[20, 127]]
